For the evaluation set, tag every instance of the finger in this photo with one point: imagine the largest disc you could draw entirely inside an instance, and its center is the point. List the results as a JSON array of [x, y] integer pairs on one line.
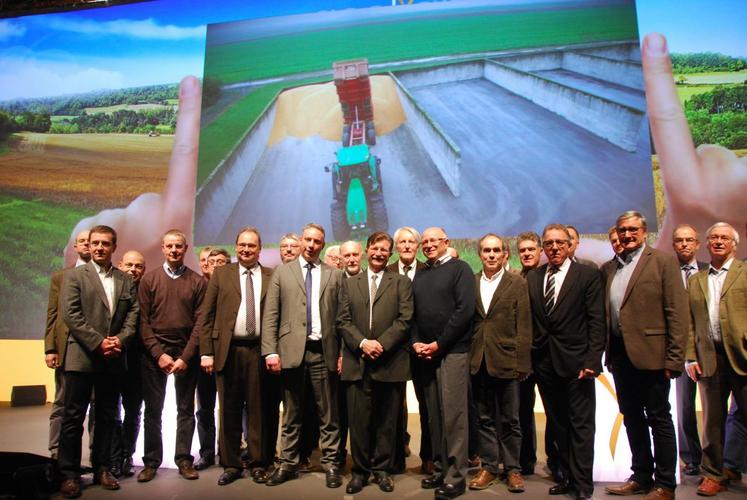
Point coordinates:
[[179, 192], [669, 127]]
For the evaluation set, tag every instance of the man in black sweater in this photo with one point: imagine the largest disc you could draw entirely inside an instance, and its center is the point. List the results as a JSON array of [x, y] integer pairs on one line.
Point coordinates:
[[444, 294]]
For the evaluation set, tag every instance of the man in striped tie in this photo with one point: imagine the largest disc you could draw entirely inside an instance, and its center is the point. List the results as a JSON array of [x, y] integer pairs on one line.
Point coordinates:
[[569, 337]]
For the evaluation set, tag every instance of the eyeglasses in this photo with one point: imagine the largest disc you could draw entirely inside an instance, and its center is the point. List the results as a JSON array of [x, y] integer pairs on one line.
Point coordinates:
[[551, 243], [433, 241], [629, 229]]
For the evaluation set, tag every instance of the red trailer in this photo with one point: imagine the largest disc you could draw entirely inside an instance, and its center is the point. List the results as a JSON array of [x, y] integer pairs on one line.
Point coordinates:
[[354, 92]]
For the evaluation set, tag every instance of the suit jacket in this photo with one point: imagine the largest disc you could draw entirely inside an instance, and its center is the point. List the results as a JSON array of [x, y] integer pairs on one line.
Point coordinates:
[[87, 315], [284, 318], [587, 262], [56, 331], [574, 328], [503, 334], [732, 318], [390, 325], [219, 310], [654, 312]]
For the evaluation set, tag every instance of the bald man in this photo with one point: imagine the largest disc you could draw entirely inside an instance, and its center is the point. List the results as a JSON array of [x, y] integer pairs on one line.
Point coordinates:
[[55, 340], [124, 435]]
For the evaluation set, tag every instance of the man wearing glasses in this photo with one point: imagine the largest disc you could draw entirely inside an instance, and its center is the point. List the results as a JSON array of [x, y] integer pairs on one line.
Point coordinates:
[[717, 358], [647, 323]]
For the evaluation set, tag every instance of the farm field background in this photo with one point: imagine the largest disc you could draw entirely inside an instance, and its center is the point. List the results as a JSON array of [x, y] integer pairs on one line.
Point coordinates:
[[700, 83], [49, 183], [412, 39], [128, 107]]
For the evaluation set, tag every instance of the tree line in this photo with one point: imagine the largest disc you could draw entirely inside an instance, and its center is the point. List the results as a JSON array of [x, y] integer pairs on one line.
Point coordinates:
[[75, 104], [701, 62], [719, 116], [122, 121]]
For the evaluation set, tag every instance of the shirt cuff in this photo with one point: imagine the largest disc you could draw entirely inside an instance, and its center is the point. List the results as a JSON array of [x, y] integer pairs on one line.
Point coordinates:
[[360, 346], [272, 356], [206, 356]]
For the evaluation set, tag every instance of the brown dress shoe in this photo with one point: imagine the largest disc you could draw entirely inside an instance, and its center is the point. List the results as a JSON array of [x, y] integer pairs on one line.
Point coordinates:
[[70, 488], [710, 487], [484, 479], [515, 482], [147, 474], [659, 493], [629, 487], [106, 480], [187, 471]]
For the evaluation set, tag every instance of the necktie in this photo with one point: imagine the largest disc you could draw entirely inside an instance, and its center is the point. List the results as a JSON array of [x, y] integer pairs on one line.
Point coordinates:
[[406, 269], [307, 286], [251, 319], [550, 288], [374, 288], [688, 272]]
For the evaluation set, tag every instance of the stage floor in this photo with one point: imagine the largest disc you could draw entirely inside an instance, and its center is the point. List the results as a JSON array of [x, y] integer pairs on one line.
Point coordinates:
[[26, 430]]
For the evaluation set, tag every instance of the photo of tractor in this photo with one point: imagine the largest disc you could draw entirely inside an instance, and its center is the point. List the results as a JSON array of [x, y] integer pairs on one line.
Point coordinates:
[[358, 207]]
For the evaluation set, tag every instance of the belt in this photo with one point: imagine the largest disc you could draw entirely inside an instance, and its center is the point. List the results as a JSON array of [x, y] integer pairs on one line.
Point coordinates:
[[245, 342]]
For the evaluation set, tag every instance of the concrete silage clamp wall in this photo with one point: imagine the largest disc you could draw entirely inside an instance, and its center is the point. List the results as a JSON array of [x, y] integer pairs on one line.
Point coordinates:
[[443, 151], [222, 189], [618, 123], [604, 68]]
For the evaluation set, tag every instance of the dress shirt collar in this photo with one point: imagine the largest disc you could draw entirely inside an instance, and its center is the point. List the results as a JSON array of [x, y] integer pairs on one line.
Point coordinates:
[[174, 274], [80, 262], [496, 277], [303, 262], [562, 268], [632, 256], [725, 267], [441, 260], [378, 275], [693, 264], [401, 266], [243, 269], [107, 273]]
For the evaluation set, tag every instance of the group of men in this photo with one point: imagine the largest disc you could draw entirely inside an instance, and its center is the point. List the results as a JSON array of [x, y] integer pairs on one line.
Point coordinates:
[[336, 343]]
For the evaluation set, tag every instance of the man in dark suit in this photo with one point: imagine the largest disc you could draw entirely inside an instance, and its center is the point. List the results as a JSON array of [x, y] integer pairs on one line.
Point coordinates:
[[299, 339], [647, 322], [55, 341], [444, 295], [100, 310], [230, 347], [130, 387], [499, 358], [716, 352], [374, 321], [685, 244], [569, 336], [407, 242], [575, 242]]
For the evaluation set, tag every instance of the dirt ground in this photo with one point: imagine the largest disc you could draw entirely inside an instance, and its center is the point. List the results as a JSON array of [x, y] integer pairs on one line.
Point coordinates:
[[73, 168]]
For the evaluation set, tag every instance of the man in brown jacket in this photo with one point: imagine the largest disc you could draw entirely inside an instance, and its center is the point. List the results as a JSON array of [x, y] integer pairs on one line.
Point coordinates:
[[499, 358], [716, 353], [647, 318]]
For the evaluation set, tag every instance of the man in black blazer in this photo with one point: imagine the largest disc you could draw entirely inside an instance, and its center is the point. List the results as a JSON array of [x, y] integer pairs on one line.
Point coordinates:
[[686, 245], [100, 308], [374, 321], [569, 338]]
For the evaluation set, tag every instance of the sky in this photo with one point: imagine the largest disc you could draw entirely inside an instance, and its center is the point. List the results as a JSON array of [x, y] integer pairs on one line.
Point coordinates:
[[162, 41]]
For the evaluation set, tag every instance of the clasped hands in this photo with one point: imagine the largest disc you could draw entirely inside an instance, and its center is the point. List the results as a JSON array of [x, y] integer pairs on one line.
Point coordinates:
[[371, 349], [425, 351], [170, 367], [110, 347]]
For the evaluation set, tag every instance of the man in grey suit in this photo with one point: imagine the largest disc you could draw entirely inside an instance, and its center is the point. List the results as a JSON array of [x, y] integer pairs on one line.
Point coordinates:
[[299, 339], [100, 310], [374, 321]]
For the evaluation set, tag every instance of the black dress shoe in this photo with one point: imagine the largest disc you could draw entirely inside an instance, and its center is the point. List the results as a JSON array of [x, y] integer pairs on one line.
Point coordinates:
[[582, 496], [386, 484], [560, 489], [229, 476], [355, 485], [280, 476], [431, 482], [692, 470], [449, 491], [203, 463], [128, 469], [260, 475], [333, 477]]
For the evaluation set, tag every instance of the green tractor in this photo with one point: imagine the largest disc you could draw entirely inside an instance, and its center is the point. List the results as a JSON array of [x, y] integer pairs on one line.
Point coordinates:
[[358, 208]]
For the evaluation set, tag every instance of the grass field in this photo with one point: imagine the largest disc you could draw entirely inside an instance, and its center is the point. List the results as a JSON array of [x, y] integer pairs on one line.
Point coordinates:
[[130, 107], [715, 77], [685, 92], [32, 240], [68, 168], [60, 118], [395, 41]]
